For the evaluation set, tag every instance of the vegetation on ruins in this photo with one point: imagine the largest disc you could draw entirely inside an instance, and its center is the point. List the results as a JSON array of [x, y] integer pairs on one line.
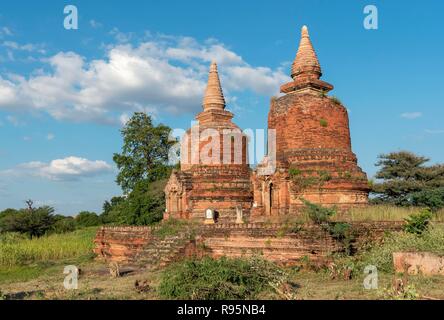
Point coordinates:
[[381, 255], [323, 123], [418, 223], [335, 99], [221, 279], [321, 216], [404, 179]]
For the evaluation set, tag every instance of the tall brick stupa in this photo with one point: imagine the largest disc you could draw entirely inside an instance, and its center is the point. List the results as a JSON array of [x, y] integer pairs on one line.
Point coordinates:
[[314, 158], [214, 173]]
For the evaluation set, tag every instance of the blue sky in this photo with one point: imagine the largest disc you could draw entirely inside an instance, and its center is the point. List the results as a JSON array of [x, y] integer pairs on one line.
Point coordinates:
[[64, 94]]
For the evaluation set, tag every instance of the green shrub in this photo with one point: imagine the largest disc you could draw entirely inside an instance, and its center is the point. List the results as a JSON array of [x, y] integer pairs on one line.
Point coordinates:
[[64, 225], [418, 223], [293, 172], [318, 214], [381, 255], [433, 199], [87, 219], [222, 279]]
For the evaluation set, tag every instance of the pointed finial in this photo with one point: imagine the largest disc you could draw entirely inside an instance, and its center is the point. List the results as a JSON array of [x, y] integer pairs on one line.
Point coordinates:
[[306, 63], [214, 98]]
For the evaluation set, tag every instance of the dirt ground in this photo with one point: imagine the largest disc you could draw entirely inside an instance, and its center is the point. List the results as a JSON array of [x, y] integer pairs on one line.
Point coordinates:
[[96, 282]]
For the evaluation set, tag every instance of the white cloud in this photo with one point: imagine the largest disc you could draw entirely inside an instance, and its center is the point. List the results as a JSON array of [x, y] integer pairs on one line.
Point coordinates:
[[5, 31], [50, 136], [70, 168], [164, 74], [95, 24], [438, 131], [16, 122], [29, 47], [411, 115]]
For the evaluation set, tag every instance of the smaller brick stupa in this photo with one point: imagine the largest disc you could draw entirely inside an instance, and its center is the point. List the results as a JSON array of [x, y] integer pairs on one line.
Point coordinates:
[[214, 173], [314, 158]]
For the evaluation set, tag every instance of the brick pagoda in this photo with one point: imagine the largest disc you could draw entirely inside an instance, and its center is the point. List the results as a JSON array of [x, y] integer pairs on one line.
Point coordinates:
[[214, 172], [314, 158]]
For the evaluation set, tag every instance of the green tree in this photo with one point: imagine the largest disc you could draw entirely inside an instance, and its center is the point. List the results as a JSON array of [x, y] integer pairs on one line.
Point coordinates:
[[87, 219], [34, 222], [143, 206], [404, 177], [145, 152]]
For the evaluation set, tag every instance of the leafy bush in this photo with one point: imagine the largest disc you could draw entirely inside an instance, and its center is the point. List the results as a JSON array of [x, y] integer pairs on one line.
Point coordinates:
[[34, 222], [144, 205], [433, 199], [418, 223], [318, 214], [381, 255], [64, 225], [87, 219], [222, 279]]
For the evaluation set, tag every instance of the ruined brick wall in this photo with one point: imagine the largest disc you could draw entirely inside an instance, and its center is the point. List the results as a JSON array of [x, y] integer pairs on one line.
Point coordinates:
[[271, 241], [121, 243]]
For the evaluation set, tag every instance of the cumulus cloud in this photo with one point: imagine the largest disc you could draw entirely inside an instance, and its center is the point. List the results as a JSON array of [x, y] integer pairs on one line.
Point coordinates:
[[70, 168], [164, 74], [411, 115]]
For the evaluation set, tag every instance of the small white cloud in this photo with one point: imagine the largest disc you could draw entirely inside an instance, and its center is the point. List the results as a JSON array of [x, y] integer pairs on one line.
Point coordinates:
[[95, 24], [411, 115], [50, 136], [70, 168], [16, 122], [5, 31], [439, 131], [27, 138], [29, 47]]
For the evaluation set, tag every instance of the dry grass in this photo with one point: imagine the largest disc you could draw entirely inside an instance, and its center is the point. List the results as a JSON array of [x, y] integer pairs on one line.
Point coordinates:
[[383, 213]]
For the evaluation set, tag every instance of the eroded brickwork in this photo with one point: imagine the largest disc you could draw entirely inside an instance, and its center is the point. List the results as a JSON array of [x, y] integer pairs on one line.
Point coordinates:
[[271, 241]]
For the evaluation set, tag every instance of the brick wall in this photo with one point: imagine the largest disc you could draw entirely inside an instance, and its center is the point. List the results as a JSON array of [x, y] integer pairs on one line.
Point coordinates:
[[235, 240]]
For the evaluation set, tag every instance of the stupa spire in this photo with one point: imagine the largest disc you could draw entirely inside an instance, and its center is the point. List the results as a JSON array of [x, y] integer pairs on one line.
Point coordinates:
[[306, 63], [214, 97]]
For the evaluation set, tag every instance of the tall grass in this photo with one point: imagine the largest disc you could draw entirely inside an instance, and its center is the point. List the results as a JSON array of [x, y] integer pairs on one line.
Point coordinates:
[[382, 213], [16, 251]]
